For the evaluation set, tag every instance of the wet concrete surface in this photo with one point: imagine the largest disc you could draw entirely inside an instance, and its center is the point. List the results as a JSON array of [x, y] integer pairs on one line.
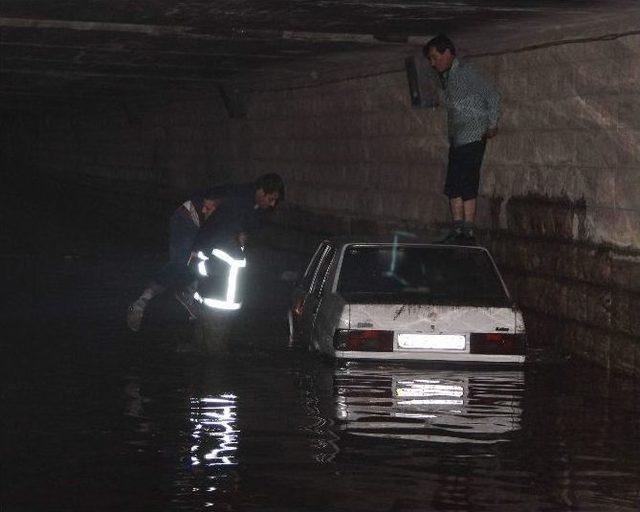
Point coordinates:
[[99, 418]]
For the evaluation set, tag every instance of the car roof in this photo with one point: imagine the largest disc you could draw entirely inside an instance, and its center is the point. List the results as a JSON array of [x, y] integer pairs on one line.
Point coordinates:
[[401, 239]]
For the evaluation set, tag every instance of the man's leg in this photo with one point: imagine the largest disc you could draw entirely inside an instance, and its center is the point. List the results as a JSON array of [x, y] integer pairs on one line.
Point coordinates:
[[470, 185], [136, 310], [182, 281], [458, 209], [457, 216], [470, 210], [452, 190], [468, 226], [181, 235]]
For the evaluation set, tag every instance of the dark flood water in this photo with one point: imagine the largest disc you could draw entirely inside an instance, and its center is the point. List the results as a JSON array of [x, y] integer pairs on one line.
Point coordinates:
[[98, 418]]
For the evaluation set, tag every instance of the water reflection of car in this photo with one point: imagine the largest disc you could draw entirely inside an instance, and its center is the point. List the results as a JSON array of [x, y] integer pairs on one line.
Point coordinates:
[[363, 299], [442, 406]]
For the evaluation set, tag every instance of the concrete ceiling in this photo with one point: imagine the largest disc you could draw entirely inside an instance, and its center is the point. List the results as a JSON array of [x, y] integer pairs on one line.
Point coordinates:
[[97, 48]]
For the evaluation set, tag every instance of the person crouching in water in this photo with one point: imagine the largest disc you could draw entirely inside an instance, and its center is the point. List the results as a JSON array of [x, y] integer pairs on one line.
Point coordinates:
[[184, 225], [239, 213]]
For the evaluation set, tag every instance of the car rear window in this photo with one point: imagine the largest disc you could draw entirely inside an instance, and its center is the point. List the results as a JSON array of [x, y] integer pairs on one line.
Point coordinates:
[[449, 275]]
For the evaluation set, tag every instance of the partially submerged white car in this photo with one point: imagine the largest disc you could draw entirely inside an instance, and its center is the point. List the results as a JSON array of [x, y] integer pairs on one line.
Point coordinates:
[[367, 299]]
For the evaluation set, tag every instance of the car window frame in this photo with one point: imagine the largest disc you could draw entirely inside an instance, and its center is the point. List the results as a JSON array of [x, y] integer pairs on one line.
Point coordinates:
[[322, 275], [327, 255], [312, 267], [346, 246]]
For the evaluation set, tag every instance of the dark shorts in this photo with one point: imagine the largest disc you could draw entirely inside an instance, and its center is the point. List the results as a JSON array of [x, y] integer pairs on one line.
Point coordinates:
[[463, 171]]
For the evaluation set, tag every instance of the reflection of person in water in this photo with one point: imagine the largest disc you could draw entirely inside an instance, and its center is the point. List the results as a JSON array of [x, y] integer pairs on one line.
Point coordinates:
[[134, 405]]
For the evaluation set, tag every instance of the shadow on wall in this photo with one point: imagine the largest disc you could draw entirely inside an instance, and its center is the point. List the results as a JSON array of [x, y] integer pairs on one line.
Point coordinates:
[[576, 295], [541, 216]]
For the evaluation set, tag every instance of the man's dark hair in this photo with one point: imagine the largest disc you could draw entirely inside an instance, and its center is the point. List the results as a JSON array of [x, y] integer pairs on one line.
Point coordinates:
[[271, 182], [440, 43]]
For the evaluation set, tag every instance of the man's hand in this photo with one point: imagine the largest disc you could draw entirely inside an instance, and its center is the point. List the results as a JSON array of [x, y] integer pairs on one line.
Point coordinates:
[[491, 132]]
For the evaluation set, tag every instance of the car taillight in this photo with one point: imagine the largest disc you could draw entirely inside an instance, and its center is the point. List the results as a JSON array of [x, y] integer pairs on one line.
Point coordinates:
[[497, 343], [371, 340]]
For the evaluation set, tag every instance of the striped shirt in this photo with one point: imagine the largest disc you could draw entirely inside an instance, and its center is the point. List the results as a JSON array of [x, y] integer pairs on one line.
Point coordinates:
[[473, 104]]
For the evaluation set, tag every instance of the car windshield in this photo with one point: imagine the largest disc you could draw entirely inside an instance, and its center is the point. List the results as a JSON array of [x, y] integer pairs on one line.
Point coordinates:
[[405, 273]]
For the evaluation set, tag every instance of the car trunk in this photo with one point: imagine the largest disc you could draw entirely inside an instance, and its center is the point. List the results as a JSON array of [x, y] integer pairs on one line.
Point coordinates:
[[430, 319]]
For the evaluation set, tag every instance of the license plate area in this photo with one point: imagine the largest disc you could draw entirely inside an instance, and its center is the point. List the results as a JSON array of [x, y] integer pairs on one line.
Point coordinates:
[[439, 342]]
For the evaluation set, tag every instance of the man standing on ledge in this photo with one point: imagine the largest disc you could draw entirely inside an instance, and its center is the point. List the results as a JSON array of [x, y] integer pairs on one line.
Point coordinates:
[[473, 107]]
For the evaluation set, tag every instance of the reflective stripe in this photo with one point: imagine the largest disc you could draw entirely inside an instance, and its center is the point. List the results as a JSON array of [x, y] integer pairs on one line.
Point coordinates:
[[234, 267], [201, 266]]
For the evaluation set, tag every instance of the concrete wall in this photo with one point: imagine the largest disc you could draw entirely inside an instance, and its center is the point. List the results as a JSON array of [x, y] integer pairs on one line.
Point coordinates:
[[354, 147], [559, 190], [160, 143], [111, 169], [559, 195], [571, 130]]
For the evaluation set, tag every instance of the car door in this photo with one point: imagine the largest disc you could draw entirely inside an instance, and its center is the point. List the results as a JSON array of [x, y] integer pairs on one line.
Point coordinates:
[[316, 296], [301, 291], [329, 309]]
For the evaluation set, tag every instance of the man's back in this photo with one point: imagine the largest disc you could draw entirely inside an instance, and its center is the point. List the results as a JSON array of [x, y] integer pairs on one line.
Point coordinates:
[[473, 104], [236, 213]]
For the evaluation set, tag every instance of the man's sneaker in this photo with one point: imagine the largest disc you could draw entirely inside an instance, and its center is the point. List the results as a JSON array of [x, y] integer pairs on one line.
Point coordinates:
[[470, 238], [455, 236], [135, 314], [188, 302]]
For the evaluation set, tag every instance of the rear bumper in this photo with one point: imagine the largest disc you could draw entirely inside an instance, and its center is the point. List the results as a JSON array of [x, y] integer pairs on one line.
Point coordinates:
[[430, 356]]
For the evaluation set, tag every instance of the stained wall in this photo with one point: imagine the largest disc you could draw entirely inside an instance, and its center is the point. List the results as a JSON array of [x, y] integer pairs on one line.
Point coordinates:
[[559, 202]]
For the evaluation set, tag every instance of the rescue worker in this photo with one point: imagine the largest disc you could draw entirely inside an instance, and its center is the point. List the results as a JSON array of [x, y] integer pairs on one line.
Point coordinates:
[[242, 210], [239, 212]]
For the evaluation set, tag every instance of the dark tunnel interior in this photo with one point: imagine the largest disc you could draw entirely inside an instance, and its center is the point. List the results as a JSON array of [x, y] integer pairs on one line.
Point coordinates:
[[114, 115]]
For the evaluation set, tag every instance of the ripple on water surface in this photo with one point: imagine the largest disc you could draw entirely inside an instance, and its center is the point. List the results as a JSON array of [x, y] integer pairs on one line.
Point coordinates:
[[100, 419]]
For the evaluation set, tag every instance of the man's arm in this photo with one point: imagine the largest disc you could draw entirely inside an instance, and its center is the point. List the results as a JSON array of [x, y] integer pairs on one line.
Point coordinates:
[[494, 108], [492, 100]]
